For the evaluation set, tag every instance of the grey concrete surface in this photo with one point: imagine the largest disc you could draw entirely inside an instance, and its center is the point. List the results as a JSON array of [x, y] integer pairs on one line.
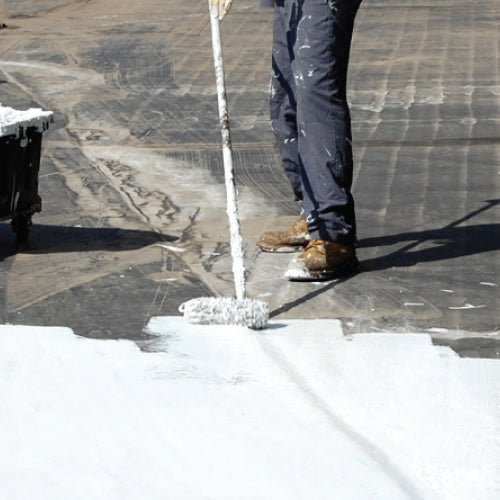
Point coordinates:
[[133, 218]]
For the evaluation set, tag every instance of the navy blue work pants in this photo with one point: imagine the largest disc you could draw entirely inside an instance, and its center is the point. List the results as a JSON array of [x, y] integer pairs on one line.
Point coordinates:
[[309, 111]]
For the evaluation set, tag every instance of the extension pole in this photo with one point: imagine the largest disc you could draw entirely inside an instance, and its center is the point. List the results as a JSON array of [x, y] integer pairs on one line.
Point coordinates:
[[236, 241]]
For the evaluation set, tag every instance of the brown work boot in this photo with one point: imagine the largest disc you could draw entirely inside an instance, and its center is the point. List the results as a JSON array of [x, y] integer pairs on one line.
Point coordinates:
[[323, 260], [293, 240]]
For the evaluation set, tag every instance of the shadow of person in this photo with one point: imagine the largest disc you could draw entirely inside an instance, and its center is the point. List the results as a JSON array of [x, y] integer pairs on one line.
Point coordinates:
[[60, 239], [440, 244], [449, 242]]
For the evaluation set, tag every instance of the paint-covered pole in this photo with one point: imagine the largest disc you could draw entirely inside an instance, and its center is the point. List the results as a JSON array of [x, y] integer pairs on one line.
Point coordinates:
[[236, 241], [223, 310]]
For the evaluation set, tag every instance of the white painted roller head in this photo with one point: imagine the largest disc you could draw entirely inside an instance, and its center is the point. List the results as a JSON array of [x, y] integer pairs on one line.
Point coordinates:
[[226, 311]]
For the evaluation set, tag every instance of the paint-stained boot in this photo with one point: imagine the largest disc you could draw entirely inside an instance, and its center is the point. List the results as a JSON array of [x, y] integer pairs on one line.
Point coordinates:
[[323, 260], [293, 240]]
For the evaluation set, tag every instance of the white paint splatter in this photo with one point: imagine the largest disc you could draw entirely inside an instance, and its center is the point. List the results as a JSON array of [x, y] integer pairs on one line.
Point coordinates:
[[467, 306], [171, 248], [437, 330]]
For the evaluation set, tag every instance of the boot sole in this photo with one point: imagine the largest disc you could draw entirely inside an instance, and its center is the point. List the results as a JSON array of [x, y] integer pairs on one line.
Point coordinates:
[[345, 271], [282, 249]]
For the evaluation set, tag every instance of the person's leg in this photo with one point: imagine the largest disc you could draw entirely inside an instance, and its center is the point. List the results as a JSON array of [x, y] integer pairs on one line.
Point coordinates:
[[320, 62], [321, 56], [282, 101], [283, 120]]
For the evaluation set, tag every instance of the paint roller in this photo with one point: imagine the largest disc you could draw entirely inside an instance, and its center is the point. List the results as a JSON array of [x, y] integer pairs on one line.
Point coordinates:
[[224, 310]]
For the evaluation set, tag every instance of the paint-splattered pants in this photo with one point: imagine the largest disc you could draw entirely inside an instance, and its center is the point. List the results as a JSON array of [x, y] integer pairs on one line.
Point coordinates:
[[309, 110]]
